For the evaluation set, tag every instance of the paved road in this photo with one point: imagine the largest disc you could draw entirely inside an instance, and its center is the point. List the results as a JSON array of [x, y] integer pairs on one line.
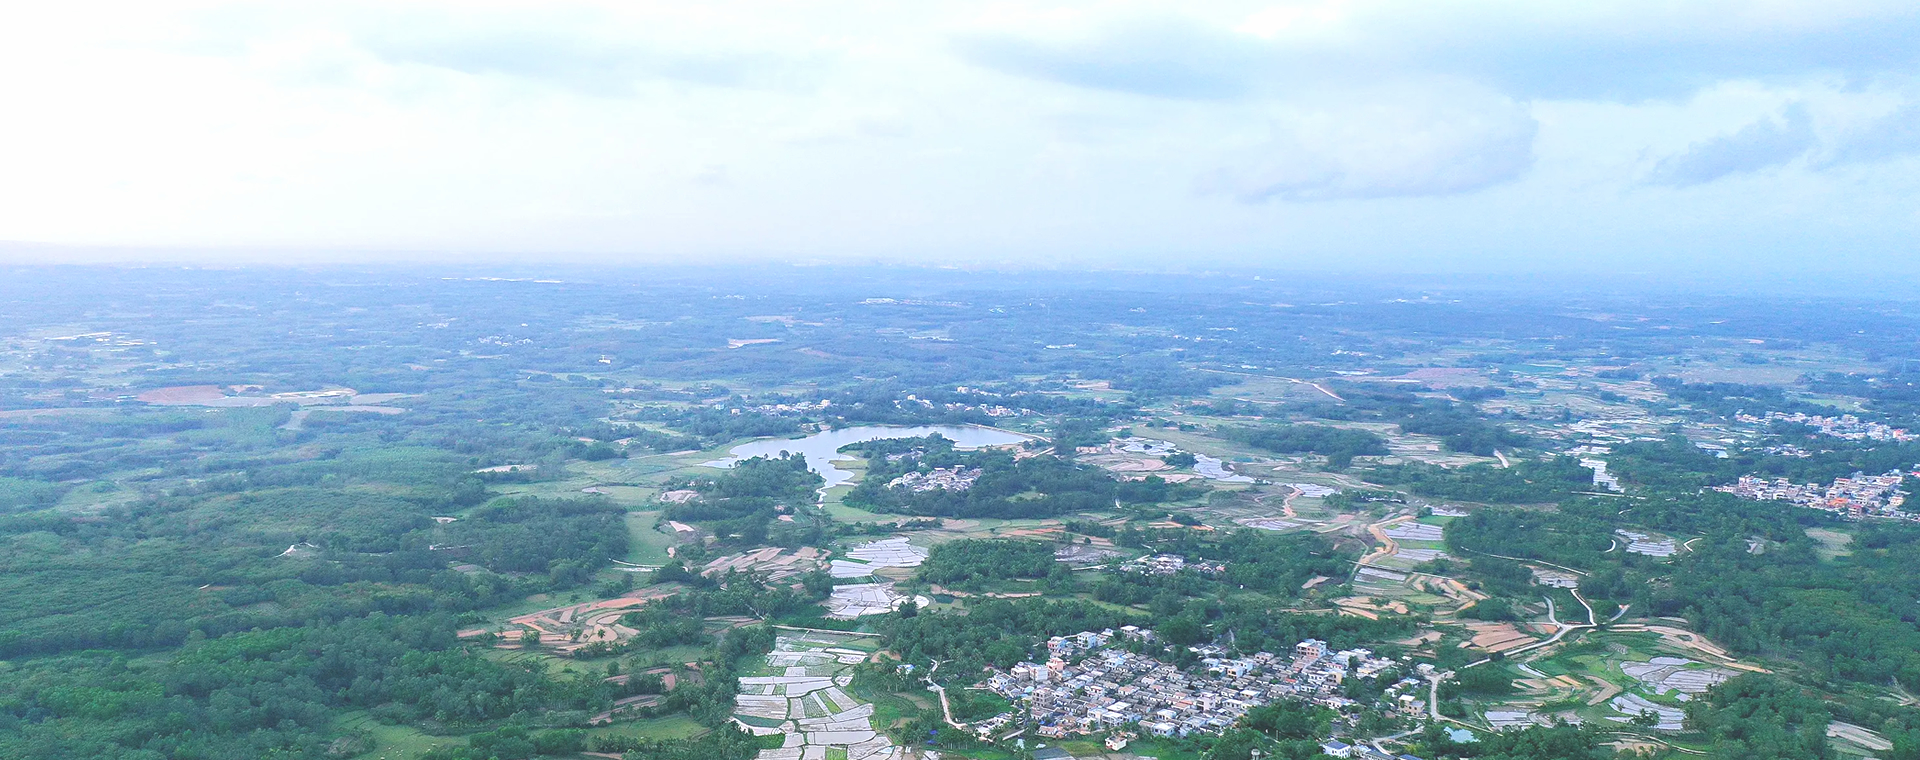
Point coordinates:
[[946, 709], [1564, 628]]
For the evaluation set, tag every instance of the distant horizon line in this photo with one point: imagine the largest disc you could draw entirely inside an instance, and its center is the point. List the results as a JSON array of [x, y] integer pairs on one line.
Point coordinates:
[[521, 265]]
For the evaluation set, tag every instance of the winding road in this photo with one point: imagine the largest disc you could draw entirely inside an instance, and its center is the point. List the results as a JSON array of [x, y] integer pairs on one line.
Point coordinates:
[[1593, 621], [1388, 546], [946, 709]]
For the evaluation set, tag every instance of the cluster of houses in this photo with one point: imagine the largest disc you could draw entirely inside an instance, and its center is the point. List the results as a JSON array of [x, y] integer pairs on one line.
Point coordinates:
[[1844, 426], [798, 407], [1169, 564], [1788, 450], [1855, 497], [1088, 687], [1330, 748], [990, 410], [938, 479], [1337, 748], [804, 407]]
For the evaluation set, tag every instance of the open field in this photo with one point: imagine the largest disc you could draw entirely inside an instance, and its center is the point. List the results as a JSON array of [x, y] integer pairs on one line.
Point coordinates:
[[391, 741], [648, 546], [1832, 543], [1269, 389], [668, 727]]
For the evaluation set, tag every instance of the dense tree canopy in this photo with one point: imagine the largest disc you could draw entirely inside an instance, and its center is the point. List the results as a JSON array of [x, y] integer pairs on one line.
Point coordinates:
[[1339, 445]]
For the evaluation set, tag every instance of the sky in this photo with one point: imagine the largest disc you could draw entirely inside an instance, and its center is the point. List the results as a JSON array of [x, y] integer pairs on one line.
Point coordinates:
[[1739, 137]]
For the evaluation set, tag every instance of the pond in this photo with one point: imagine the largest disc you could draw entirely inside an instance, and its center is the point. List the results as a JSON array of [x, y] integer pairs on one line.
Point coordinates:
[[822, 449]]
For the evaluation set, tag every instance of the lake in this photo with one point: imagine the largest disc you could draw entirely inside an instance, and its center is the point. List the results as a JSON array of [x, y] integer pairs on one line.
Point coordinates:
[[823, 449]]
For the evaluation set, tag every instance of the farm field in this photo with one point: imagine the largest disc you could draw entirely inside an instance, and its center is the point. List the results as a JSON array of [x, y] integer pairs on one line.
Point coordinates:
[[802, 690]]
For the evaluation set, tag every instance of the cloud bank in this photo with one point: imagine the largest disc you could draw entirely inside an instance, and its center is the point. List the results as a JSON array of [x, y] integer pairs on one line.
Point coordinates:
[[1419, 139], [1357, 131], [1765, 143]]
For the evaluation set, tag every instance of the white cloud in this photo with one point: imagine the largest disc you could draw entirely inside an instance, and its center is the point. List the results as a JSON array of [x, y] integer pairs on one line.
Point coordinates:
[[1020, 130], [1417, 138], [1624, 50], [1766, 143], [1894, 134], [1166, 57]]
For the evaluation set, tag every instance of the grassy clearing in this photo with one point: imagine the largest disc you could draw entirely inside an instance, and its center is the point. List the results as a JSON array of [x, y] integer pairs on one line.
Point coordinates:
[[668, 727], [1200, 443], [656, 467], [649, 546], [1267, 389], [1756, 374], [1833, 543], [629, 496], [840, 512], [566, 667], [992, 526], [1154, 747], [567, 488], [96, 497], [671, 655], [610, 479], [891, 710], [551, 665], [536, 603], [392, 741], [1088, 598]]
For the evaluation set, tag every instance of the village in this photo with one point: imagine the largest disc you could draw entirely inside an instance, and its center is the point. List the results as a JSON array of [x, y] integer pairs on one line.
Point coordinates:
[[1170, 564], [1854, 497], [938, 479], [1845, 426], [1088, 685]]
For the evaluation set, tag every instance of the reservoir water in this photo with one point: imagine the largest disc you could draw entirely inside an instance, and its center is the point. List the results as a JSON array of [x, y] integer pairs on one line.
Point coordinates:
[[822, 449]]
